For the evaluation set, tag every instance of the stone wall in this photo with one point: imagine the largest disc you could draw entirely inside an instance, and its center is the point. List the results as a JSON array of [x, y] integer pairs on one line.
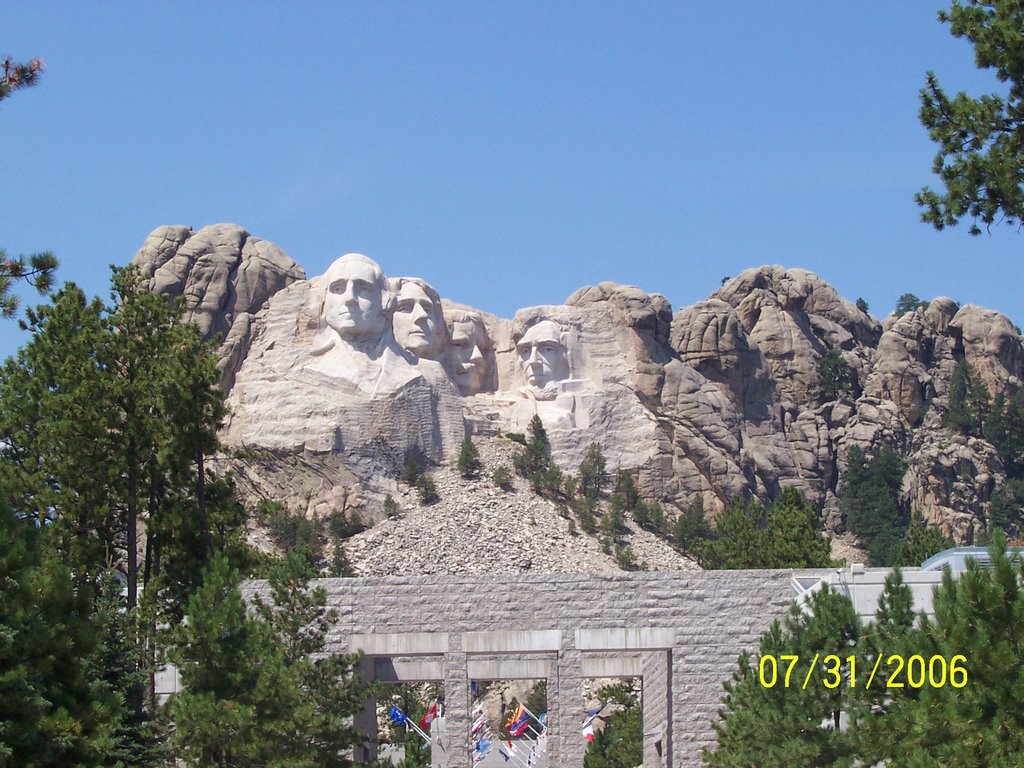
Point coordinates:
[[686, 630]]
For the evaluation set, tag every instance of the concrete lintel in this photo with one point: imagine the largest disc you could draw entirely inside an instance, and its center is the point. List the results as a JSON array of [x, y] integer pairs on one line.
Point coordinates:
[[513, 641], [400, 643], [407, 670], [605, 666], [640, 638], [508, 669]]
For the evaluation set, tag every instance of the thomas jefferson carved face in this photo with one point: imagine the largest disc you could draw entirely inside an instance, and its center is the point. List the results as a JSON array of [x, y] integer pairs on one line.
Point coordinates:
[[417, 321], [469, 343], [543, 354], [356, 298]]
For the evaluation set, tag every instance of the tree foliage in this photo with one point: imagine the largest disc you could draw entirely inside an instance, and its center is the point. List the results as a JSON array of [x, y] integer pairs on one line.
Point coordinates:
[[980, 158], [469, 463], [620, 743], [835, 373], [258, 690], [36, 270], [107, 416], [869, 499], [786, 535], [53, 709], [783, 726]]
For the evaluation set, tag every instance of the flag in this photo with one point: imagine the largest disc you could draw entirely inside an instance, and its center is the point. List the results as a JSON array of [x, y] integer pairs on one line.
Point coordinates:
[[519, 727], [397, 715], [588, 731], [478, 724], [429, 717], [504, 754], [482, 745], [517, 713], [510, 747]]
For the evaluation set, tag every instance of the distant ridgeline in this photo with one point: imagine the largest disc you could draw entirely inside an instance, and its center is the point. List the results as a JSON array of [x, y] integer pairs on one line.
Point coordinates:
[[770, 383]]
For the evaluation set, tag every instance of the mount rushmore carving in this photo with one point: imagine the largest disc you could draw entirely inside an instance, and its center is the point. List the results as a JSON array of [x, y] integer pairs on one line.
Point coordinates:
[[343, 373]]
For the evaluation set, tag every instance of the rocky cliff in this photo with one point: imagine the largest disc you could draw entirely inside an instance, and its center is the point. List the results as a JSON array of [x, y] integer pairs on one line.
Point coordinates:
[[332, 381]]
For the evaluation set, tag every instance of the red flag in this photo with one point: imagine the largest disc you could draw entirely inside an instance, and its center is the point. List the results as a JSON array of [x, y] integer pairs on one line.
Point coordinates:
[[429, 717]]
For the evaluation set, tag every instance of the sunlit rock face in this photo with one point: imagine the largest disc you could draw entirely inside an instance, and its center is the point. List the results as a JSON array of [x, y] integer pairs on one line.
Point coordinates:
[[325, 374], [225, 276], [338, 376]]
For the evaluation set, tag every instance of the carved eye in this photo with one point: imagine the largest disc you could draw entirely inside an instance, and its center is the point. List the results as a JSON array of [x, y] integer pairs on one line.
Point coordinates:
[[337, 287], [405, 306]]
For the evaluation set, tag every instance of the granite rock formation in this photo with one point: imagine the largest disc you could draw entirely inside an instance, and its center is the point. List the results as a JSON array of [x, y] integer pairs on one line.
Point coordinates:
[[721, 399]]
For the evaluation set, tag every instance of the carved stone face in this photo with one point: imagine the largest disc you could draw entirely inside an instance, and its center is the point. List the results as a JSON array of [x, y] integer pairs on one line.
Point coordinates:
[[543, 354], [354, 304], [469, 341], [417, 321]]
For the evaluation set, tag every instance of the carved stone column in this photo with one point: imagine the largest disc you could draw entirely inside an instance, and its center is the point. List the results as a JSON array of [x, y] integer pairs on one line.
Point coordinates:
[[365, 721], [657, 709], [456, 705], [566, 744]]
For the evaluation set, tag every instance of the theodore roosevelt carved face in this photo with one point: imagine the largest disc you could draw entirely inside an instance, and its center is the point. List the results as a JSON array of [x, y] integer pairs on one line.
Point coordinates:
[[356, 303], [418, 322], [469, 342], [543, 354]]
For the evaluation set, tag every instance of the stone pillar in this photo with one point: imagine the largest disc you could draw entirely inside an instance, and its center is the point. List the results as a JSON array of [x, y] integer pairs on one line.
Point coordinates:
[[365, 721], [566, 744], [657, 709], [456, 705]]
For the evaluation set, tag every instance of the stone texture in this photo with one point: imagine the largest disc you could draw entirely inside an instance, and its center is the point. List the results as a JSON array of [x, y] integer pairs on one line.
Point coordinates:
[[721, 399], [225, 276]]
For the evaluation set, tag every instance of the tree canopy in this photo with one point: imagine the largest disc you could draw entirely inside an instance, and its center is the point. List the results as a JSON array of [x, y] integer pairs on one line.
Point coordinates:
[[980, 159]]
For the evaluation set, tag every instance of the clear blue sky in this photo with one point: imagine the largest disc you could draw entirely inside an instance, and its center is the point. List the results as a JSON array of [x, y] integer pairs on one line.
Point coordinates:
[[508, 153]]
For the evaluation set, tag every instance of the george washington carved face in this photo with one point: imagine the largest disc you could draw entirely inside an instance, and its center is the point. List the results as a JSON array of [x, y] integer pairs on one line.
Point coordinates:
[[356, 302]]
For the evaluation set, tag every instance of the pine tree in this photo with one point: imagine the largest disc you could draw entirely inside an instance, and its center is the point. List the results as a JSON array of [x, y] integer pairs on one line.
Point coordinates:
[[53, 709], [620, 743], [257, 689], [769, 724], [869, 498], [691, 527], [792, 534], [920, 541], [469, 460], [738, 540], [980, 157], [592, 472], [974, 720], [835, 374]]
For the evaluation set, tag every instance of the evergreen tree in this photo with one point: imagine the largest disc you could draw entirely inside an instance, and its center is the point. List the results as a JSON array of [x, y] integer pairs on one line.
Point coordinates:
[[53, 708], [625, 486], [908, 302], [980, 157], [592, 472], [792, 535], [978, 723], [738, 541], [106, 417], [501, 477], [869, 499], [469, 460], [779, 725], [427, 489], [691, 527], [413, 466], [620, 743], [920, 541], [1006, 510], [257, 690], [613, 522], [960, 416], [835, 374]]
